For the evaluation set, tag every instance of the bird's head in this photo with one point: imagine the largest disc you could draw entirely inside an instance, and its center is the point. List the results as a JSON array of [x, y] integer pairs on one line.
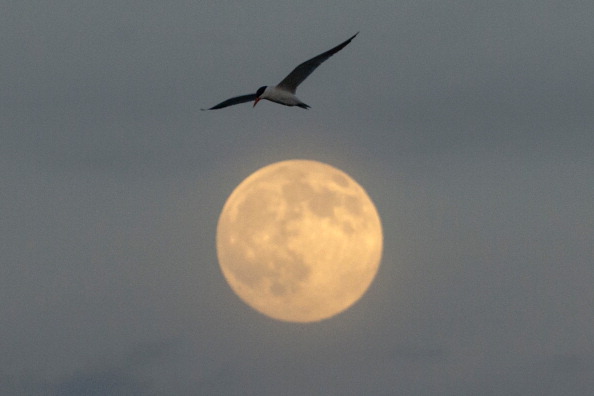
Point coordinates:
[[259, 93]]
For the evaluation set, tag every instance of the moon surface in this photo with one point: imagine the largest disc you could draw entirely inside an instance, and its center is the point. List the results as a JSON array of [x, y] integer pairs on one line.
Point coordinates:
[[299, 241]]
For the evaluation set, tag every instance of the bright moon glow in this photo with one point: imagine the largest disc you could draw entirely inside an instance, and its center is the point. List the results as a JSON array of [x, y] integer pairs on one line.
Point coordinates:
[[299, 241]]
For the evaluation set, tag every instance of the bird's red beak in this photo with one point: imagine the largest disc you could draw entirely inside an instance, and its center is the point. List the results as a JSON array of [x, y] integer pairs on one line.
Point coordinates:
[[256, 102]]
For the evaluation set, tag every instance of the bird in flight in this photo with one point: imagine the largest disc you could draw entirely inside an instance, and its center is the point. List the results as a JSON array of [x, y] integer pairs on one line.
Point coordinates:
[[284, 92]]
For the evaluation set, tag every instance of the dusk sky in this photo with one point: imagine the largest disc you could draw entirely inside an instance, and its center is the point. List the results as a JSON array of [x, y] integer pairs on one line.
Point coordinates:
[[469, 124]]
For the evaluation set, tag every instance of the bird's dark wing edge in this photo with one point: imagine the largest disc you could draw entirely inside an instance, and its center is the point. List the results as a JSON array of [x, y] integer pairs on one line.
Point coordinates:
[[234, 101], [302, 71]]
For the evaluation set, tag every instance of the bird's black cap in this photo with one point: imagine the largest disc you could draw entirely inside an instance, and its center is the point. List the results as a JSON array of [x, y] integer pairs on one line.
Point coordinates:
[[260, 91]]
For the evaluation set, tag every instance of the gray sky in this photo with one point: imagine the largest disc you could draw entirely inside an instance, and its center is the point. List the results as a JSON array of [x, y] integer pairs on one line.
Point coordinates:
[[468, 123]]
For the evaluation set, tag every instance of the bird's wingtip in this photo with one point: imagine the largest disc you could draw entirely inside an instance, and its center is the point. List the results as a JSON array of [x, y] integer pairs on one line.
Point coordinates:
[[352, 37]]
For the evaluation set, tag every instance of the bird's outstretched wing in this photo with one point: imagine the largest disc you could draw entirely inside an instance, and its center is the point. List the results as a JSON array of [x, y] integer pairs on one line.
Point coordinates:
[[234, 101], [301, 72]]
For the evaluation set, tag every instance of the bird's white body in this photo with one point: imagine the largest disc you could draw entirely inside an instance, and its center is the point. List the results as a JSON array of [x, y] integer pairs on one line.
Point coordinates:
[[281, 96]]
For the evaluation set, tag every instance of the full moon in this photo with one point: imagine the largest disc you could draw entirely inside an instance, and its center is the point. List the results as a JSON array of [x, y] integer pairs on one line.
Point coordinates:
[[299, 241]]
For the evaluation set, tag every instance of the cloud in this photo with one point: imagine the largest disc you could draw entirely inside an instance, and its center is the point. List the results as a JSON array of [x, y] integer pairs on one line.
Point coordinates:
[[130, 374]]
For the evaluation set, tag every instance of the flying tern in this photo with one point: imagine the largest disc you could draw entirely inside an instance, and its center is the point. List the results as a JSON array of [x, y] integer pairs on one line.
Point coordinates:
[[284, 92]]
